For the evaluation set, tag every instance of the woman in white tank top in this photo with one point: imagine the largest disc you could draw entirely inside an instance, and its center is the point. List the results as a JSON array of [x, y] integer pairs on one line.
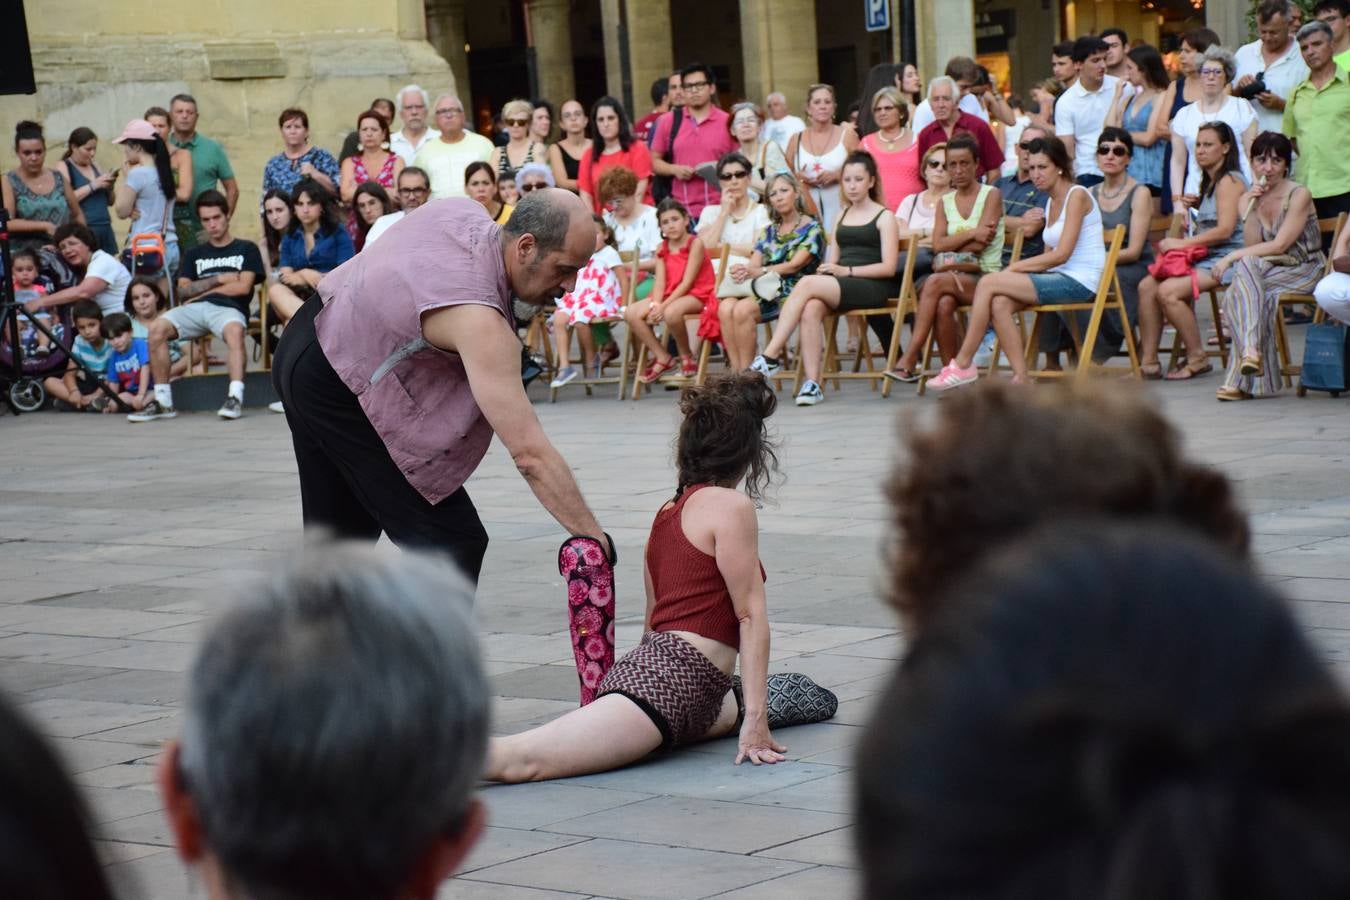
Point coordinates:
[[817, 154], [1067, 272]]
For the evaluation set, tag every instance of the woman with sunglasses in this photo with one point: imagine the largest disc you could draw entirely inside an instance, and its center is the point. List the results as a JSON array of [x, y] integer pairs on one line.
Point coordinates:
[[1282, 222], [893, 146], [1217, 68], [612, 144], [521, 147], [736, 220], [564, 157], [917, 212]]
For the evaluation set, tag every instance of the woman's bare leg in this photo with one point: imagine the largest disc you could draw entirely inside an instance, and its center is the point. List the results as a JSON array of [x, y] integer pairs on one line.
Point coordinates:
[[1150, 324], [282, 302], [1015, 287], [930, 298], [611, 732], [949, 335], [676, 309], [1176, 298], [1009, 335], [809, 287], [587, 342], [726, 319], [743, 327], [813, 334]]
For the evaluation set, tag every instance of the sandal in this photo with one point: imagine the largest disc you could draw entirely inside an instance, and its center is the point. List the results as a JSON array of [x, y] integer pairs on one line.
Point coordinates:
[[1190, 370], [1230, 393], [1251, 365], [900, 373], [1151, 373], [656, 370]]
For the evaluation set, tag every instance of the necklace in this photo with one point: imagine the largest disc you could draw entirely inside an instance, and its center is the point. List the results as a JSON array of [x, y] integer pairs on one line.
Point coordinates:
[[891, 142], [1111, 196], [810, 148]]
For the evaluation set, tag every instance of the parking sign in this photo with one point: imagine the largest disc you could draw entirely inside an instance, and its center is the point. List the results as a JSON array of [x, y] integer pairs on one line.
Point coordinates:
[[878, 14]]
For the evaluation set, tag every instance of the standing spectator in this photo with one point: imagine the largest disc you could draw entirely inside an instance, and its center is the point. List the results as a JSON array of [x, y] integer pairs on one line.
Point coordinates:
[[480, 183], [942, 94], [210, 168], [146, 194], [965, 74], [780, 125], [103, 278], [370, 204], [1336, 14], [1185, 90], [1274, 56], [1317, 119], [1012, 134], [541, 121], [1117, 43], [660, 106], [93, 189], [612, 145], [817, 154], [179, 159], [372, 163], [316, 245], [691, 136], [880, 76], [351, 145], [1062, 66], [564, 157], [520, 147], [414, 189], [1081, 110], [413, 103], [445, 158], [1138, 108], [276, 221], [1215, 105], [893, 146], [299, 158], [38, 199]]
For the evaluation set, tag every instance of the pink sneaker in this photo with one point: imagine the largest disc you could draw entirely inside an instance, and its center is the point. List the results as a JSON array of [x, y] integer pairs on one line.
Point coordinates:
[[953, 376]]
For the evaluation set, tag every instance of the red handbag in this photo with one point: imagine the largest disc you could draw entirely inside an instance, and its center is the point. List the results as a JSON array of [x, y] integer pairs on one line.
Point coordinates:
[[1178, 263]]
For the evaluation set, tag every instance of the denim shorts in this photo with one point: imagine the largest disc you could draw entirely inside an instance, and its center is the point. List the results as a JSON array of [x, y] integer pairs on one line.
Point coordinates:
[[1056, 287]]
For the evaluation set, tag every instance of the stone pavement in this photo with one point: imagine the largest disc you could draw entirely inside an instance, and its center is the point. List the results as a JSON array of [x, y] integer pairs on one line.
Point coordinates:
[[106, 584]]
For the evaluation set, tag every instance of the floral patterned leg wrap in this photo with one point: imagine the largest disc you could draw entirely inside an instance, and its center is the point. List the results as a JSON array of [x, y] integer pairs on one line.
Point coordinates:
[[590, 609]]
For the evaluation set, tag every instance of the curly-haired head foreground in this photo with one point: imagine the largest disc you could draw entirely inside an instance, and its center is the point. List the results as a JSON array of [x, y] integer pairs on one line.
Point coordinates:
[[1000, 460], [724, 436]]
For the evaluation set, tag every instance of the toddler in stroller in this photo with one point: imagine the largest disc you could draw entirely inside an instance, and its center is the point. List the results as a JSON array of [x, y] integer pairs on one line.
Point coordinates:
[[21, 372]]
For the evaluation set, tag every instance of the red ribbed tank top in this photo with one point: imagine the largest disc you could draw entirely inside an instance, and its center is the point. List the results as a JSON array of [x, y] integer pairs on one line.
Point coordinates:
[[691, 594]]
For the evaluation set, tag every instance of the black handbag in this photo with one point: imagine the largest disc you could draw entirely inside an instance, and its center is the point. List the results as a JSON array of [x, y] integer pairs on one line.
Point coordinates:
[[663, 184]]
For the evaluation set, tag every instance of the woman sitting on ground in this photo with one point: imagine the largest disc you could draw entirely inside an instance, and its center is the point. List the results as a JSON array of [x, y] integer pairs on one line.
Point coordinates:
[[790, 248], [969, 221], [1216, 229], [705, 608], [858, 273], [1067, 272], [1282, 223], [369, 202], [480, 183], [316, 245]]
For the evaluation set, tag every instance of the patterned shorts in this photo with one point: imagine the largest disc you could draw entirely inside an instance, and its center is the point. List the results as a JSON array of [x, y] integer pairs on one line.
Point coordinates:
[[675, 685]]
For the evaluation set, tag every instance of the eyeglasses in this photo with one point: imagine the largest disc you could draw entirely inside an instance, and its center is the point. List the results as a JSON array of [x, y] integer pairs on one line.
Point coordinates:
[[1112, 150], [1025, 145], [518, 123], [532, 186], [1212, 73], [735, 173], [695, 85], [449, 112], [414, 191], [884, 107]]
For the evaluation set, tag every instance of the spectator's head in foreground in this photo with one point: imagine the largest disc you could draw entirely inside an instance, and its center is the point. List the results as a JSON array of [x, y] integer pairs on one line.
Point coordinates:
[[1109, 711], [334, 728]]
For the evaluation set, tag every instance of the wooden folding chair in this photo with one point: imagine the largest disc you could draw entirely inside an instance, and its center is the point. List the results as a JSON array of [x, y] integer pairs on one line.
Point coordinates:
[[1106, 297], [587, 380], [1288, 368], [704, 351]]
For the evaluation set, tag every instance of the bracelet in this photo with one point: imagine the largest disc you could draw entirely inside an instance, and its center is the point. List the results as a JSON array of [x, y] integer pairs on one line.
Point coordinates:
[[850, 271]]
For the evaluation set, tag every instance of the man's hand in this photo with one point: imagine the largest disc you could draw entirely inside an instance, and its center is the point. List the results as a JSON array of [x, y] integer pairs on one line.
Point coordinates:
[[1270, 101], [684, 173], [1243, 82]]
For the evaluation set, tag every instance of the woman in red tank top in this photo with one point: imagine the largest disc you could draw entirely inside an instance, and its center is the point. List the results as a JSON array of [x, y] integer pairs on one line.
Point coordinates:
[[705, 607]]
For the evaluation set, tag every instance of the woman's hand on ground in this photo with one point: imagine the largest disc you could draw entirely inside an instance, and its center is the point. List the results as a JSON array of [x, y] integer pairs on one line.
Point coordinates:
[[757, 745]]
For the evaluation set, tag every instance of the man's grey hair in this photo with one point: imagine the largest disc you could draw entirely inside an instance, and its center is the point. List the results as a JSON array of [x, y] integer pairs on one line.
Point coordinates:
[[414, 172], [426, 99], [1316, 26], [336, 723], [183, 98], [779, 94], [947, 80], [1225, 58], [1044, 131], [544, 215]]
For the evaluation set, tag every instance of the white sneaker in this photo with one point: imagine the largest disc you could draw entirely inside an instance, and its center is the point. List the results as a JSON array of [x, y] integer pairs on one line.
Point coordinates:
[[277, 407], [810, 394], [231, 408], [152, 411], [765, 366]]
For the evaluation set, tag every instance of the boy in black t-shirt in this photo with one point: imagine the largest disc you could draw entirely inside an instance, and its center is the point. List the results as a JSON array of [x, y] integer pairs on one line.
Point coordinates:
[[215, 283]]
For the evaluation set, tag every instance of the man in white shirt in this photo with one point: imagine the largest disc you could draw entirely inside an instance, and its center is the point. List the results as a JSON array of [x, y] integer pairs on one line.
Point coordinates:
[[412, 109], [1081, 110], [780, 126], [414, 189], [445, 158], [1117, 42], [1275, 56]]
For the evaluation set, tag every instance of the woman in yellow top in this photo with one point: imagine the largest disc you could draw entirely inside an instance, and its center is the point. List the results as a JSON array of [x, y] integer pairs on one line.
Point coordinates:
[[480, 183]]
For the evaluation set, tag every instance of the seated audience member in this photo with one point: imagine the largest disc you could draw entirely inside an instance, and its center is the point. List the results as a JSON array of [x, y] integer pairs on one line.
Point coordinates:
[[413, 190], [370, 204], [613, 145], [507, 190], [633, 222], [276, 221], [1216, 229], [660, 94], [1216, 105], [1282, 223], [1083, 107], [598, 294], [24, 265], [1333, 291], [374, 164], [533, 176], [683, 285], [520, 147], [737, 220], [916, 213], [1011, 135], [790, 248], [215, 286], [480, 183], [1067, 272], [48, 851], [858, 273], [1052, 736], [128, 372], [564, 157], [975, 232], [316, 245], [333, 730], [445, 157], [1076, 448], [103, 278], [766, 157], [299, 159], [677, 688], [38, 200], [1137, 108], [893, 146], [81, 385], [942, 95], [145, 303]]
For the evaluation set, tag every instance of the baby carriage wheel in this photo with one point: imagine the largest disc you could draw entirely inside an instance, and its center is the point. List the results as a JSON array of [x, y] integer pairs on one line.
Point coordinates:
[[27, 395]]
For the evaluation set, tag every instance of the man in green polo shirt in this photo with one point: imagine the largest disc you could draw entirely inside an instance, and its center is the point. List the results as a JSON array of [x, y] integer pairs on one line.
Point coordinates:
[[1317, 119], [209, 166]]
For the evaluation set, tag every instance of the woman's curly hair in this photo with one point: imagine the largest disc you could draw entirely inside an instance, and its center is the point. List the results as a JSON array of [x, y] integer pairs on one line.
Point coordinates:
[[1000, 460], [724, 436]]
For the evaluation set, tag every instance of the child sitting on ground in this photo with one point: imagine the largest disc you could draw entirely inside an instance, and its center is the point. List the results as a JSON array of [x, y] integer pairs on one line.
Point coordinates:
[[598, 294], [144, 302], [24, 264], [683, 285], [129, 365], [79, 387]]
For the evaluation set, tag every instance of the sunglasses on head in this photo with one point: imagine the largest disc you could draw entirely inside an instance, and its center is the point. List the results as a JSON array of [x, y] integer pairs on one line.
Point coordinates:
[[1112, 150], [733, 173]]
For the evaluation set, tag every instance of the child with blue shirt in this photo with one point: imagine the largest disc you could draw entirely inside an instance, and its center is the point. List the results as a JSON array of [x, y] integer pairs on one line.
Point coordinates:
[[128, 371], [76, 390]]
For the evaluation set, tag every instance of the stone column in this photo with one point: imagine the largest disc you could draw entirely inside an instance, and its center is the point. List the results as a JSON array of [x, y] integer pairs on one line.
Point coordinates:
[[944, 28], [1229, 19], [446, 32], [551, 36], [650, 53], [778, 47]]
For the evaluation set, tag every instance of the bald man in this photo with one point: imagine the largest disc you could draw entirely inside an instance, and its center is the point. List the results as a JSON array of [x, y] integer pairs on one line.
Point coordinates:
[[445, 157], [396, 375]]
